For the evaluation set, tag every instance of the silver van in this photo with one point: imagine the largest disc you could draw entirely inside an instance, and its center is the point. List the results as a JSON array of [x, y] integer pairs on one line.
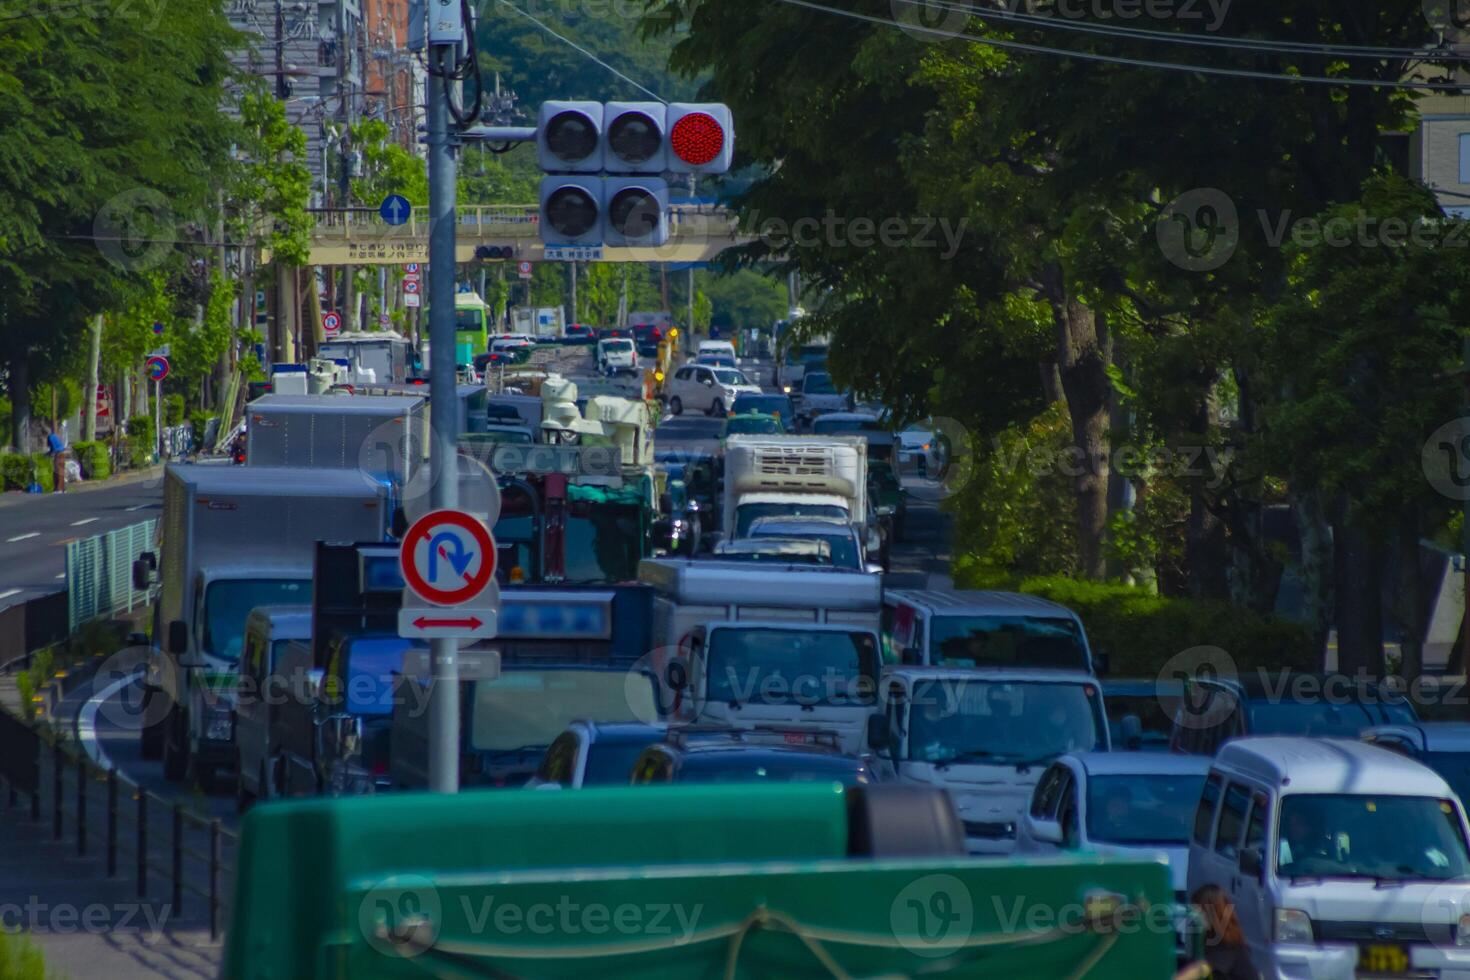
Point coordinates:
[[983, 629], [1342, 859]]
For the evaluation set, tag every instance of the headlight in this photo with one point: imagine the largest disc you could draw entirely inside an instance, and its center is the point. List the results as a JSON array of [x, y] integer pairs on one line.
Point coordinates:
[[220, 727], [1293, 926], [1462, 930]]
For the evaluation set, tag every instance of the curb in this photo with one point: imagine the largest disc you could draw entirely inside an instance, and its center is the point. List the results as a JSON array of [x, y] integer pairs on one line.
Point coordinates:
[[11, 498]]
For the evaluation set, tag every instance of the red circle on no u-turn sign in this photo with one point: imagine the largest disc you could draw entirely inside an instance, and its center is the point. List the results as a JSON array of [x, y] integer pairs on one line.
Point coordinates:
[[447, 557]]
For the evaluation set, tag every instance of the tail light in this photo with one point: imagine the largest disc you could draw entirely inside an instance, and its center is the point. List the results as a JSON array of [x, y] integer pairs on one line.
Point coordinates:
[[380, 768]]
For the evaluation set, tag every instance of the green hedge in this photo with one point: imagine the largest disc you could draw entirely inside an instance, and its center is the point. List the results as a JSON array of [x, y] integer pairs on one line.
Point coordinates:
[[93, 458], [1140, 631], [45, 476], [141, 440], [16, 471]]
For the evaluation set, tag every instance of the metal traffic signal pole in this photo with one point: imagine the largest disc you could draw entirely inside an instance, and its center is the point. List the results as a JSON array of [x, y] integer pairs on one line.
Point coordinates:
[[443, 417]]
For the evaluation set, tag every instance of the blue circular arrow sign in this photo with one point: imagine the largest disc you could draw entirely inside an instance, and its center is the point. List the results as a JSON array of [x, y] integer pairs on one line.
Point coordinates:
[[395, 209]]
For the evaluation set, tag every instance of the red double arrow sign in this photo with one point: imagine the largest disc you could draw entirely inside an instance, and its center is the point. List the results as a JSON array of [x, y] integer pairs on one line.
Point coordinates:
[[424, 623]]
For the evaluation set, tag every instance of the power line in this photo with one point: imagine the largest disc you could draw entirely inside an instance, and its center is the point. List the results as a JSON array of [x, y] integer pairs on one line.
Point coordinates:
[[582, 50], [1133, 62], [1259, 45]]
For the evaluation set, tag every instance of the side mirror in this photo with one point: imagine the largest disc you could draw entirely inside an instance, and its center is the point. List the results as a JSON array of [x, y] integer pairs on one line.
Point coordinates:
[[877, 732], [143, 568], [1251, 862], [178, 637], [1130, 729], [1046, 831], [676, 675]]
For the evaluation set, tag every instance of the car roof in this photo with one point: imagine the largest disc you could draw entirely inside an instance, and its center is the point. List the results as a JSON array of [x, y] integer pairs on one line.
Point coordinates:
[[1141, 686], [1142, 763], [991, 675], [1328, 765], [773, 395], [979, 602], [623, 732], [772, 544], [1277, 685], [848, 417], [1433, 736]]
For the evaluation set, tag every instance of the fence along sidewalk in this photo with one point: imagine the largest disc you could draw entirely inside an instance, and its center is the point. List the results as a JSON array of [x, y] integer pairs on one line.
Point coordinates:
[[99, 573]]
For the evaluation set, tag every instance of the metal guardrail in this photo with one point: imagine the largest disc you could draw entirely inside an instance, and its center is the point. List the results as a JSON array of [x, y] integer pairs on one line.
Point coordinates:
[[99, 573], [139, 832]]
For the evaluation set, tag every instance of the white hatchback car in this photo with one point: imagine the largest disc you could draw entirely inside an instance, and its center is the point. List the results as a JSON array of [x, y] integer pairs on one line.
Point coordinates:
[[709, 389]]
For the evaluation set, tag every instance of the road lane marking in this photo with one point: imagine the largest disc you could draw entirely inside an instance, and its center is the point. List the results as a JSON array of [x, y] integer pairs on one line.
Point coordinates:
[[87, 721], [10, 592], [85, 520], [62, 575], [22, 537], [137, 507]]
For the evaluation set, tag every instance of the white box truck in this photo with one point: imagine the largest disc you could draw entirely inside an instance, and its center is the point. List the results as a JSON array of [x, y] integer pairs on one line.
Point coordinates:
[[385, 435], [231, 540], [543, 322], [800, 476]]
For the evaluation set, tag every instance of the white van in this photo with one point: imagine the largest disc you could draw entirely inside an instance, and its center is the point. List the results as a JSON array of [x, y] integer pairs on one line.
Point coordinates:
[[1343, 859], [722, 348]]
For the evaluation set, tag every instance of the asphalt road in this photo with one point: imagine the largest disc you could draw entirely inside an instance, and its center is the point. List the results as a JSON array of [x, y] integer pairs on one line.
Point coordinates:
[[34, 528]]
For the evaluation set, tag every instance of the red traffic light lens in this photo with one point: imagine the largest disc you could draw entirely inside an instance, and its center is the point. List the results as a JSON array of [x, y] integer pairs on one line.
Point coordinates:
[[571, 136], [634, 137], [634, 212], [571, 211], [697, 138]]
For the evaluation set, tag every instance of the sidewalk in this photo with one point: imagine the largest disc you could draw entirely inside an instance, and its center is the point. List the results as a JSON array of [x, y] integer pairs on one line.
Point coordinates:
[[11, 498]]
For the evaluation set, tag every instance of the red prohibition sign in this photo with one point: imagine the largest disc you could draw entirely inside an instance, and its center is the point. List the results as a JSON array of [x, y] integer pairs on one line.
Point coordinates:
[[431, 529]]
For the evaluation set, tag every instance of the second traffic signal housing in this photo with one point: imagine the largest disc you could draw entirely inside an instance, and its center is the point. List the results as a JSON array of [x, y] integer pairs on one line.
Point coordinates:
[[634, 137], [590, 210]]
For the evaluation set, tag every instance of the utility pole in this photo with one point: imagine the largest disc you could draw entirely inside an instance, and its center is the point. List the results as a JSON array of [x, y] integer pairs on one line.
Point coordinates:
[[572, 280], [443, 414], [348, 310]]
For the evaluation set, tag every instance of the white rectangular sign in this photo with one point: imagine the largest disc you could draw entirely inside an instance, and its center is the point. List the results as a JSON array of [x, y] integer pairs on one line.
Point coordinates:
[[447, 622], [410, 299], [573, 253]]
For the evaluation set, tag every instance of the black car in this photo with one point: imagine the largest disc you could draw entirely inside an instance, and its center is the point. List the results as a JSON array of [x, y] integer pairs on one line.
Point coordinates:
[[778, 405], [697, 755], [578, 333], [646, 338]]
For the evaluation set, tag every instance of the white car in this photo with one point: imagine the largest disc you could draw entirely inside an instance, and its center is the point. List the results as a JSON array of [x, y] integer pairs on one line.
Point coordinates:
[[1341, 858], [722, 348], [1134, 804], [708, 389], [509, 343], [919, 450], [819, 396], [616, 354]]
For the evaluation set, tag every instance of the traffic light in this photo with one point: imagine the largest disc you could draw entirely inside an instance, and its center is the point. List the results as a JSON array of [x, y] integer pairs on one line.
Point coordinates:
[[485, 252], [571, 210], [633, 138], [569, 137], [701, 137], [636, 210]]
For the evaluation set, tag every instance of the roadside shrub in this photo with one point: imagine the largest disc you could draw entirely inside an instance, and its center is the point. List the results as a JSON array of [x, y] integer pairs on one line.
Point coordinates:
[[173, 409], [141, 440], [16, 471], [1140, 631], [93, 458], [20, 958], [44, 474]]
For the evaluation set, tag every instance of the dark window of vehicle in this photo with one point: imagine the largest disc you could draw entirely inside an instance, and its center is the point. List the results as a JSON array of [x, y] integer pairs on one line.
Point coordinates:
[[1204, 814], [1006, 641], [1142, 808], [818, 384], [1318, 717], [610, 763], [1067, 815], [1393, 838], [768, 665], [604, 543], [1232, 820], [372, 664], [560, 760], [1044, 801], [1255, 828], [515, 535], [228, 604]]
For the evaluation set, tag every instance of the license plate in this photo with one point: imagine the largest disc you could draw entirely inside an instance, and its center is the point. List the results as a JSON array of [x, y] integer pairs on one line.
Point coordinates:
[[1383, 959]]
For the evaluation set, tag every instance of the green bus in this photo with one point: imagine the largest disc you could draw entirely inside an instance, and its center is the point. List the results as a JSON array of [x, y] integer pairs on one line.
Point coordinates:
[[471, 328]]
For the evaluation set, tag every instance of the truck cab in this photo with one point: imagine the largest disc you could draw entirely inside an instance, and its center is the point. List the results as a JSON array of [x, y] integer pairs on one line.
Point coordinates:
[[928, 627], [986, 736], [795, 676]]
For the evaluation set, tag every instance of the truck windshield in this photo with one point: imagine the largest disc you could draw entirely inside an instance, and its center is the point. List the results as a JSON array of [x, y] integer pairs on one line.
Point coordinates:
[[745, 514], [603, 543], [767, 665], [1321, 718], [1140, 808], [533, 707], [228, 603], [1006, 641], [1002, 722], [1400, 838], [818, 384]]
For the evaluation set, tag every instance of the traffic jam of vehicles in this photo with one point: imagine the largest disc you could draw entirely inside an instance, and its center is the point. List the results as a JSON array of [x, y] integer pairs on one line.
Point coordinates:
[[692, 554]]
